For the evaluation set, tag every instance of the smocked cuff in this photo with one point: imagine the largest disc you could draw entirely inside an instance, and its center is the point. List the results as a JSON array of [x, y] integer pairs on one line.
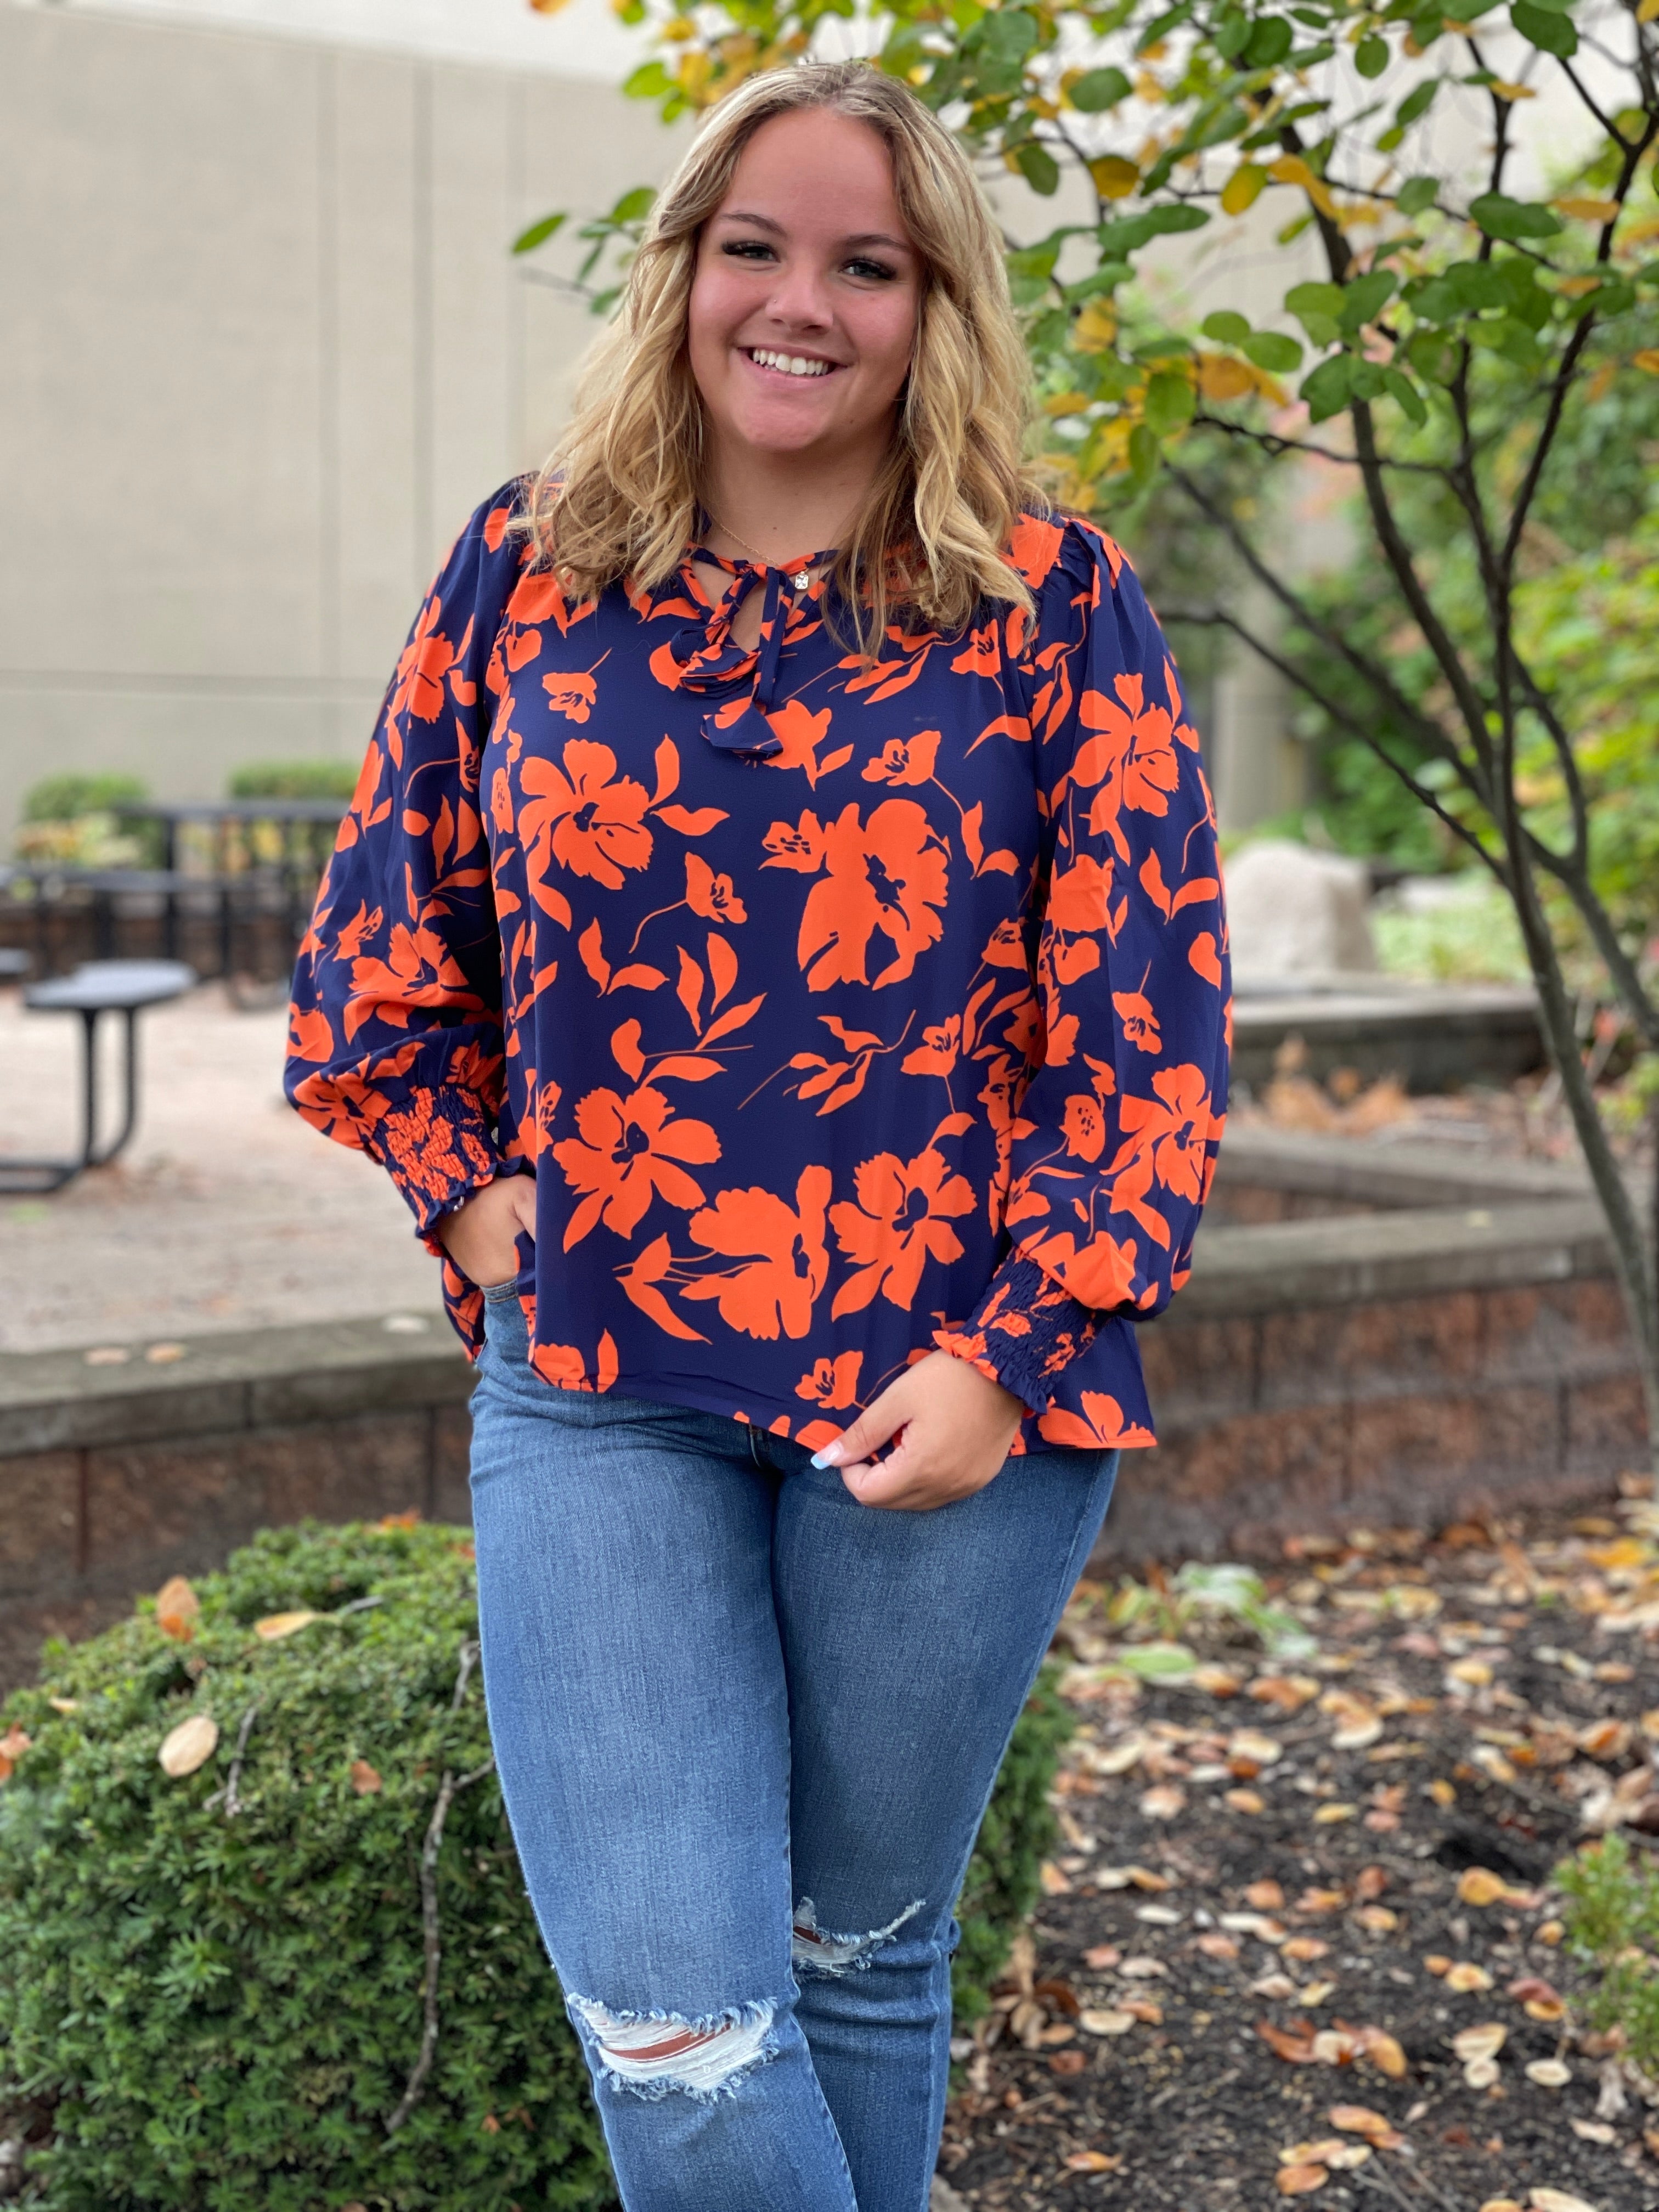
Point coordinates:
[[1024, 1333], [437, 1145]]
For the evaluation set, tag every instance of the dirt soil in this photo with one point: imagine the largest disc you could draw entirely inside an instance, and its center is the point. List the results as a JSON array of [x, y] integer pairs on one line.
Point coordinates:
[[1300, 1939]]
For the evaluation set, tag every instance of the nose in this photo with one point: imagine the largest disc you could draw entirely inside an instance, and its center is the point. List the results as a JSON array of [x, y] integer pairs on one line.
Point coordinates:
[[801, 300]]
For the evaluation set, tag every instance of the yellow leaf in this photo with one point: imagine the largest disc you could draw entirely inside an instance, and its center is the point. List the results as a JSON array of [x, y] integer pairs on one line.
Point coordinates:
[[1066, 403], [1442, 1792], [1604, 211], [188, 1745], [1479, 1885], [1512, 92], [1326, 1813], [1647, 11], [547, 7], [1092, 2161], [1574, 288], [177, 1608], [1114, 178], [1220, 377], [1648, 359], [1385, 2053], [275, 1626], [1292, 169], [1096, 326], [1242, 188]]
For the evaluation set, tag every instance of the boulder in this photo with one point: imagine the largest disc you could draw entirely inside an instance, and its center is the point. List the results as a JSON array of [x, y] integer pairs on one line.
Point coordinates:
[[1294, 913]]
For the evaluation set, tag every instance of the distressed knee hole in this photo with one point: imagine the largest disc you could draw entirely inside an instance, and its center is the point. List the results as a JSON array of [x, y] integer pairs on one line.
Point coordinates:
[[656, 2053], [819, 1951]]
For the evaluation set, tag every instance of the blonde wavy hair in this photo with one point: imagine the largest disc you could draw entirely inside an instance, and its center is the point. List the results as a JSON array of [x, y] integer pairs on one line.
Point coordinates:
[[619, 496]]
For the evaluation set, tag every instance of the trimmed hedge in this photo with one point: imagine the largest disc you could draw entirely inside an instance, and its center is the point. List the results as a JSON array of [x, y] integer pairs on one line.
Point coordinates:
[[206, 2010]]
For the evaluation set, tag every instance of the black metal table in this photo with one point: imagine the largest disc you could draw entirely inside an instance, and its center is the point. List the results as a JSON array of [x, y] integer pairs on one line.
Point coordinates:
[[96, 988]]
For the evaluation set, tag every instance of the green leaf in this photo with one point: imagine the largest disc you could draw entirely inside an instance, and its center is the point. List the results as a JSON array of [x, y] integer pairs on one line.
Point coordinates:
[[634, 206], [1226, 328], [538, 234], [1129, 235], [1316, 308], [1364, 299], [1543, 27], [1416, 103], [1099, 90], [1401, 387], [1416, 194], [649, 81], [1371, 56], [1008, 35], [1326, 390], [1158, 1662], [1433, 357], [1144, 453], [1268, 43], [1614, 298], [1502, 218], [1170, 401], [1233, 37], [1038, 166], [1274, 350]]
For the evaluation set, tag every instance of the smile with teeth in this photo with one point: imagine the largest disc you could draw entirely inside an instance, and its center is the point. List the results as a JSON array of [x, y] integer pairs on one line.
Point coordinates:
[[788, 364]]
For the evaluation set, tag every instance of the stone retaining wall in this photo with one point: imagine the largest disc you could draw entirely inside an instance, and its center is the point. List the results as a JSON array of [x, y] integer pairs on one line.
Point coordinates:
[[1410, 1363]]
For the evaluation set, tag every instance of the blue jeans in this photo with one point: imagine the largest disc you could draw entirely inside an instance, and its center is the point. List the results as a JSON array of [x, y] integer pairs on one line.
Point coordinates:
[[747, 1730]]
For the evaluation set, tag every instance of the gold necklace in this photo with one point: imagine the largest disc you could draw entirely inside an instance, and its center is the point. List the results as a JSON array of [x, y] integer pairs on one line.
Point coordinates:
[[800, 579]]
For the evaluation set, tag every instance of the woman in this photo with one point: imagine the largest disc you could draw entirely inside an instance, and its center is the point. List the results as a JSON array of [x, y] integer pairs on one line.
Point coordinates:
[[776, 948]]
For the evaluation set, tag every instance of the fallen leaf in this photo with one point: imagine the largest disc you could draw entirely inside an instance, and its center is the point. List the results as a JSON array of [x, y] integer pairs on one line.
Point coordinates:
[[1091, 2161], [1296, 2048], [1245, 1801], [1557, 2200], [1479, 1885], [1548, 2073], [1361, 2120], [1265, 1896], [1251, 1747], [1305, 1948], [1119, 1758], [13, 1744], [1218, 1681], [1326, 1814], [1297, 2180], [1142, 1969], [1163, 1801], [177, 1609], [163, 1355], [1377, 1919], [188, 1745], [1465, 1976], [1310, 2153], [1483, 2041], [1101, 1956], [1054, 1883], [1287, 1692], [1215, 1945], [1114, 2022], [364, 1780], [1383, 2052], [1597, 2131], [64, 1704], [275, 1626]]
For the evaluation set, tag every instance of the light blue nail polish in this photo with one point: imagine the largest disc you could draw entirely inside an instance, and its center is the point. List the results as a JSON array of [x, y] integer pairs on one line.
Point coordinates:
[[822, 1459]]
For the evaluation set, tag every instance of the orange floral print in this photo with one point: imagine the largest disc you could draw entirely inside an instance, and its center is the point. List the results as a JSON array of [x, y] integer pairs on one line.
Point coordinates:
[[627, 1150], [1019, 855], [902, 1220], [595, 826], [887, 876], [787, 1261]]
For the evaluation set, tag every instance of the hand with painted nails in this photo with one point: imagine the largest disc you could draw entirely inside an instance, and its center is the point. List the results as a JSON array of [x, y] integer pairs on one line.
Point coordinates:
[[953, 1426]]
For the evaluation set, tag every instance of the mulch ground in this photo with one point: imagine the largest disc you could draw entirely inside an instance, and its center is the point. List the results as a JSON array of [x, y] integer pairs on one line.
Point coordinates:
[[1300, 1939]]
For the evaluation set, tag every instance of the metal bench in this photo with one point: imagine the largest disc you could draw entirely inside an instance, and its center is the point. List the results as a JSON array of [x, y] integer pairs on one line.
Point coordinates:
[[96, 988]]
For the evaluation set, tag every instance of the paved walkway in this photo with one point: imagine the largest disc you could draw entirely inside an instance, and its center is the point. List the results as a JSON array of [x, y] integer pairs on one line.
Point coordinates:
[[226, 1211]]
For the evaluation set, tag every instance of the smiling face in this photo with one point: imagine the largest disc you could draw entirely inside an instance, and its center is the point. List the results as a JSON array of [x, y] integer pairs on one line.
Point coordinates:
[[804, 299]]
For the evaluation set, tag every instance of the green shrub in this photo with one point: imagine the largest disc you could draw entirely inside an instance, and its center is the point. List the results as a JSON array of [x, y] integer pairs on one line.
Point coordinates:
[[214, 2012], [298, 779], [1612, 1924], [66, 798]]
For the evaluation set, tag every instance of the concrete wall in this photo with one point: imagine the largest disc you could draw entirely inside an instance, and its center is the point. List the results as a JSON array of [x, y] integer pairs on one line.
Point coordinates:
[[265, 350]]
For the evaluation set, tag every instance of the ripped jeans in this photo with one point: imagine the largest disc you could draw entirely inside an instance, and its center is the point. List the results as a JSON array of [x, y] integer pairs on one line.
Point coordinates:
[[746, 1731]]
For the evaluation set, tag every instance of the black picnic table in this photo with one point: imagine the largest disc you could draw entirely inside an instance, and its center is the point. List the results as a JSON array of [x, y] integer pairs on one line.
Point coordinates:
[[95, 988]]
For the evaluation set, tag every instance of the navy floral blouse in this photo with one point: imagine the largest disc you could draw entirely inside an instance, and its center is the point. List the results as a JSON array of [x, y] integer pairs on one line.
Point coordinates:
[[840, 1009]]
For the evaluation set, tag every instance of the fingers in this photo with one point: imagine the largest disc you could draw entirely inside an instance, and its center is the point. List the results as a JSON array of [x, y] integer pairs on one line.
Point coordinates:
[[871, 1429]]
